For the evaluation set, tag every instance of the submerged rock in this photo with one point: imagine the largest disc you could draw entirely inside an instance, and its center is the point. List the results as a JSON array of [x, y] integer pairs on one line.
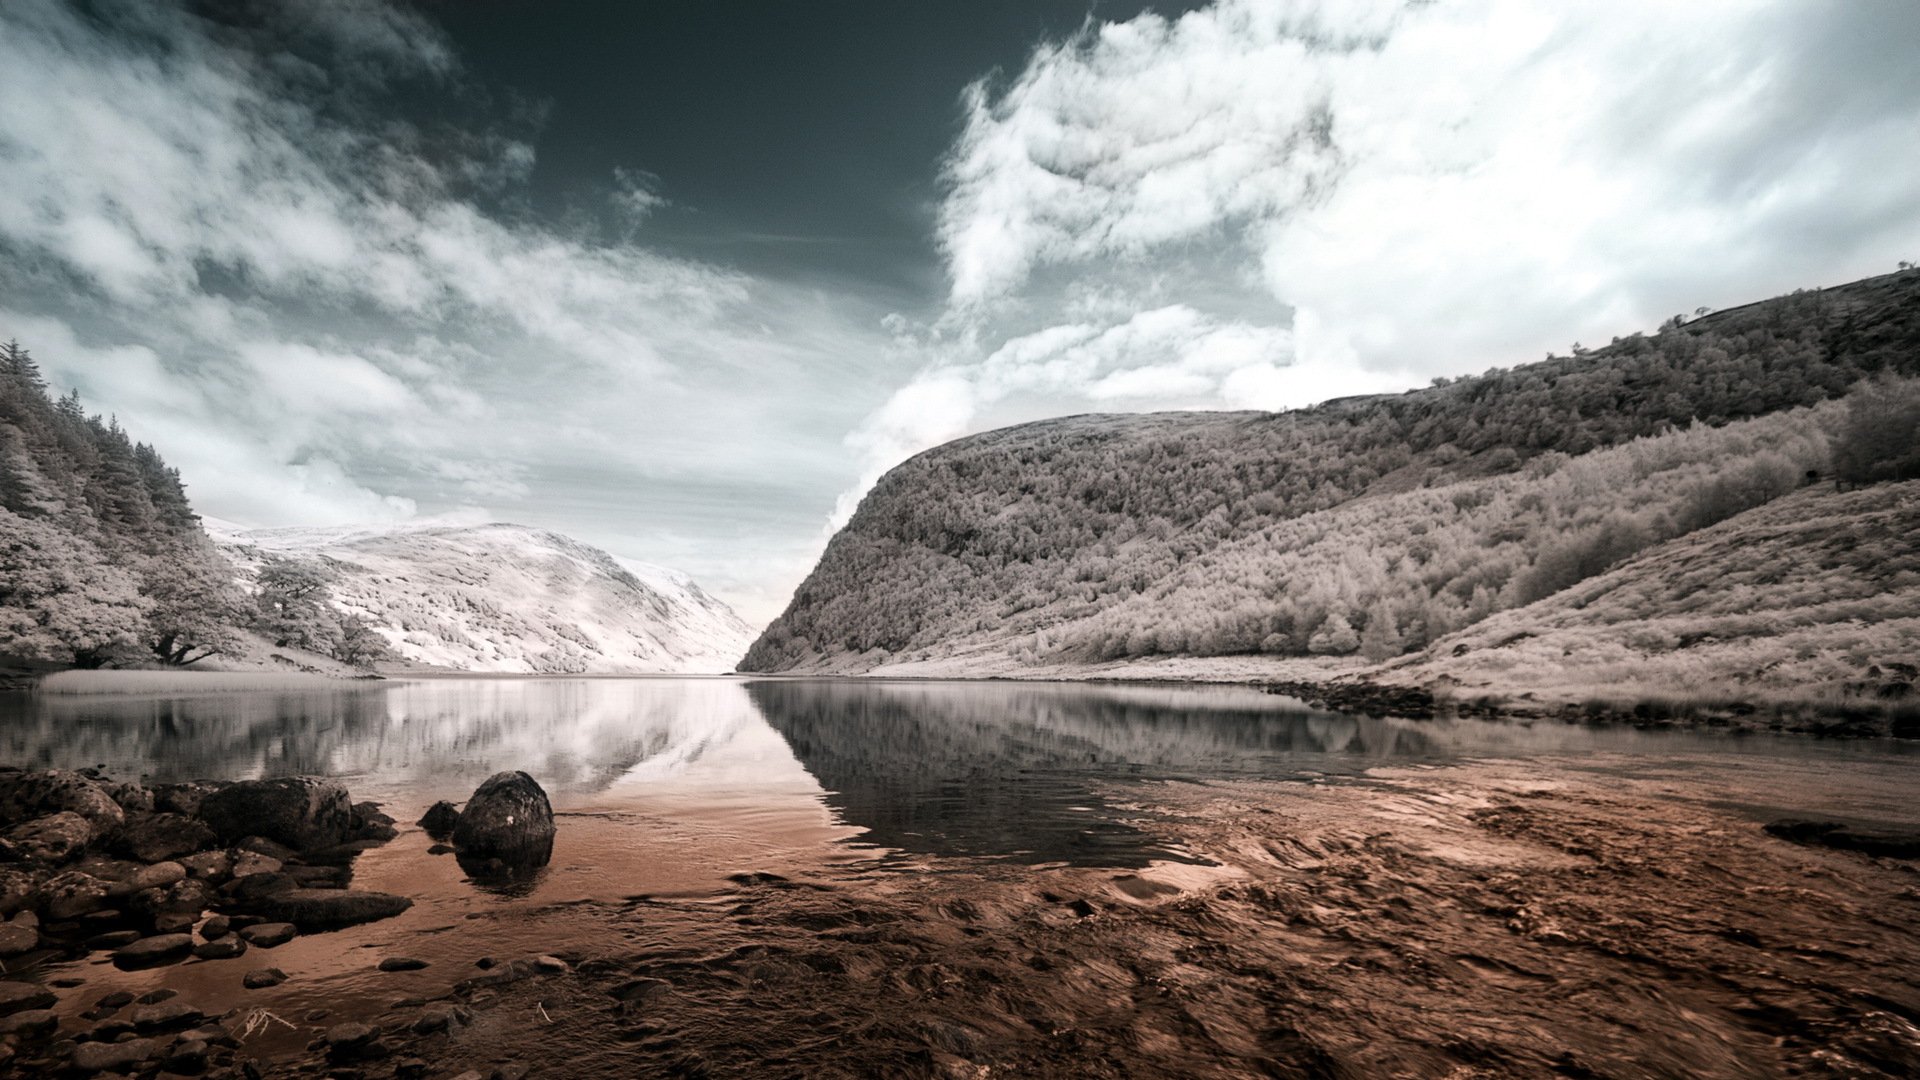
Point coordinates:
[[261, 978], [509, 819], [300, 812], [328, 909], [1885, 843]]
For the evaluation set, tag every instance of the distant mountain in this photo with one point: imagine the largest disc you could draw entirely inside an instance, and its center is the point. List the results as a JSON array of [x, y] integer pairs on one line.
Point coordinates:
[[1369, 527], [508, 598]]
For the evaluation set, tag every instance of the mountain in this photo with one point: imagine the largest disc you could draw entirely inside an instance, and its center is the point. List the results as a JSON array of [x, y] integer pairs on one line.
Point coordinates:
[[507, 598], [1366, 528]]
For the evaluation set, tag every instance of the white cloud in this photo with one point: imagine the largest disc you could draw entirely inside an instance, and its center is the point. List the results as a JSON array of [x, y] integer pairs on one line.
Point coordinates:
[[1267, 203]]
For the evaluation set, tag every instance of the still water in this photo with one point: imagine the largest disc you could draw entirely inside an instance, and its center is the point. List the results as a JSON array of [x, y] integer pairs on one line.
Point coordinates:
[[667, 788]]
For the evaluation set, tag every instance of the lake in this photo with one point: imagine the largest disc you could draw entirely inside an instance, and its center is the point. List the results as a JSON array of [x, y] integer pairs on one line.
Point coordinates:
[[668, 789]]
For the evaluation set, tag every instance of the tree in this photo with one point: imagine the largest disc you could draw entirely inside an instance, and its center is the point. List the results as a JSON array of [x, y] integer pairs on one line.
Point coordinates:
[[61, 601], [360, 644], [1381, 639], [1336, 637], [292, 604], [196, 605], [1881, 437]]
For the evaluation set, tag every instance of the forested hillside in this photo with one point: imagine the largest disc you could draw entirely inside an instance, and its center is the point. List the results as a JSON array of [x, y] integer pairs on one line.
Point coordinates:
[[101, 558], [1363, 526]]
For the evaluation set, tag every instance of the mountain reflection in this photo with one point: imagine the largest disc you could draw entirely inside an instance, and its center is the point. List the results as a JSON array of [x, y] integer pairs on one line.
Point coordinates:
[[998, 770]]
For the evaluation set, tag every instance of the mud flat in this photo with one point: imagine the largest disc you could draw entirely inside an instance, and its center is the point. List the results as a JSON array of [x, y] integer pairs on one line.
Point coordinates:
[[1477, 920]]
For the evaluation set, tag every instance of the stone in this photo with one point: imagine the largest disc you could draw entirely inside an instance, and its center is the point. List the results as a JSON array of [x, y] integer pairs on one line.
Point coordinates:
[[32, 1024], [165, 1016], [97, 1057], [253, 887], [119, 999], [216, 928], [320, 877], [16, 939], [214, 867], [369, 823], [261, 978], [70, 895], [440, 819], [184, 798], [410, 1069], [113, 939], [155, 997], [329, 909], [158, 876], [269, 935], [16, 889], [174, 922], [22, 996], [354, 1042], [153, 952], [224, 949], [440, 849], [432, 1020], [298, 811], [53, 840], [260, 845], [151, 838], [187, 1058], [28, 795], [551, 965], [188, 896], [402, 963], [508, 818], [133, 798]]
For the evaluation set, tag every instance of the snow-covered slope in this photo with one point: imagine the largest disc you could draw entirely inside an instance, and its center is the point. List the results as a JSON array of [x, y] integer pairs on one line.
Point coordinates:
[[502, 597]]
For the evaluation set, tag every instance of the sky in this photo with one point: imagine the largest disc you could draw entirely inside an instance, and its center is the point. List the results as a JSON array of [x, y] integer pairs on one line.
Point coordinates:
[[682, 279]]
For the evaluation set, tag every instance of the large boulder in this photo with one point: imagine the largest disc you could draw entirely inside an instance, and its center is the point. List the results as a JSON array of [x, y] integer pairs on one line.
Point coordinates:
[[508, 819], [302, 812], [153, 952], [70, 895], [185, 798], [440, 819], [28, 795], [154, 838], [53, 840]]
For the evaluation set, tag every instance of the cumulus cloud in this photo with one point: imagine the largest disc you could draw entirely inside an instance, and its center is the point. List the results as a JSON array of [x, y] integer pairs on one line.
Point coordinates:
[[1266, 203]]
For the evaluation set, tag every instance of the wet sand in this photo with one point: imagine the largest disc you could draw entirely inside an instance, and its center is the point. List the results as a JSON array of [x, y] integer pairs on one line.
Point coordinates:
[[1510, 919]]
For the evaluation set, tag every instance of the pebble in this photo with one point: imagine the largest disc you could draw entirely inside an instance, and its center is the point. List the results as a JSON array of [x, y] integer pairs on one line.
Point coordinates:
[[402, 963], [216, 928], [224, 949]]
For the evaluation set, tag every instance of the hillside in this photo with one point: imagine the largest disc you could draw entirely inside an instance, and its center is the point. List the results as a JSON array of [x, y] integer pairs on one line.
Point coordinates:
[[102, 561], [508, 598], [1355, 532]]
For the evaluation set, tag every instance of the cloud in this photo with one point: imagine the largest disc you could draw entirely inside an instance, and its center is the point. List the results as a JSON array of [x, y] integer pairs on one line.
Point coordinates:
[[324, 309], [1266, 203]]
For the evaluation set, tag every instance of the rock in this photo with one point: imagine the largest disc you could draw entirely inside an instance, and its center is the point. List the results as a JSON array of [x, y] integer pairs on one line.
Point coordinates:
[[1883, 843], [21, 996], [440, 849], [320, 877], [70, 895], [216, 928], [508, 818], [153, 952], [96, 1057], [32, 1024], [213, 867], [402, 963], [255, 887], [187, 1058], [410, 1069], [158, 876], [224, 949], [440, 819], [155, 997], [28, 795], [151, 838], [329, 909], [16, 889], [165, 1016], [113, 939], [298, 811], [261, 978], [433, 1020], [174, 922], [133, 798], [269, 935], [53, 840], [188, 896], [260, 845], [354, 1042], [369, 814], [184, 798], [119, 999], [16, 939], [551, 965]]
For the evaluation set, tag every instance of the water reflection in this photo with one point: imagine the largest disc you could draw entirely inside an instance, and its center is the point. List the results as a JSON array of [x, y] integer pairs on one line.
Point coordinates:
[[1002, 770]]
